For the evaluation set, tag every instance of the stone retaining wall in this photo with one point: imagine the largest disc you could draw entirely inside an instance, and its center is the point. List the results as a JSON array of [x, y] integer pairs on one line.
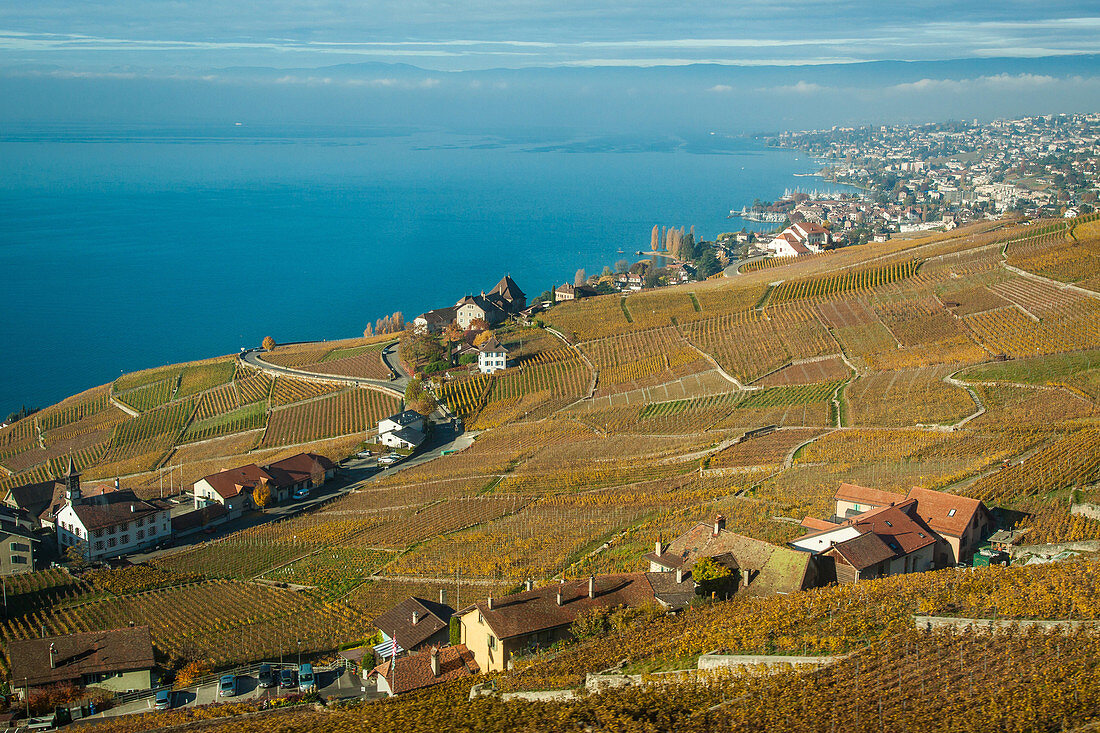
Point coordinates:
[[986, 625]]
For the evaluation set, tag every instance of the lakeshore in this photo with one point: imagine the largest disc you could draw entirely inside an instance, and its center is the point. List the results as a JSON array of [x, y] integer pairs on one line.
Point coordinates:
[[303, 237]]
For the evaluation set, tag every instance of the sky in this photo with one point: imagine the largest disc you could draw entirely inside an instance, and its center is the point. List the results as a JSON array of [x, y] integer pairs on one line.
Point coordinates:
[[336, 61]]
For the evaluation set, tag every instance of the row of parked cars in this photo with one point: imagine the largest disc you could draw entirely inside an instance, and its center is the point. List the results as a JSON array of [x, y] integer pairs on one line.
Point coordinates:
[[301, 679]]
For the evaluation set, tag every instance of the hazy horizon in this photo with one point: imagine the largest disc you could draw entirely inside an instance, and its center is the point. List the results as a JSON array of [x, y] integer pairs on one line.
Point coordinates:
[[493, 66]]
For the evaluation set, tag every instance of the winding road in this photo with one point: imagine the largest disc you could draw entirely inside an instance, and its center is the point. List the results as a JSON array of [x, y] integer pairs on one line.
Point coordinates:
[[394, 386]]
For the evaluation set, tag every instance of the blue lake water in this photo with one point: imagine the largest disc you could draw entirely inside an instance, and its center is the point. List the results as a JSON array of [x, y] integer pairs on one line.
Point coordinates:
[[122, 249]]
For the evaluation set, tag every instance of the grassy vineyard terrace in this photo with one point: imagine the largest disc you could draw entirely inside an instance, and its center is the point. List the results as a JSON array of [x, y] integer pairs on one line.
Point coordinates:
[[954, 361]]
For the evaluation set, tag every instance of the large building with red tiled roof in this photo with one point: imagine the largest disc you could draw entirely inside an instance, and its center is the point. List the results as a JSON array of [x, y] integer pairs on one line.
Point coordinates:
[[875, 533]]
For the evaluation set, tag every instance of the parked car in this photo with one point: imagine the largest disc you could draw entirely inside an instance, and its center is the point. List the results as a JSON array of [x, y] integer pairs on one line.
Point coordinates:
[[389, 459], [302, 493], [266, 676], [227, 687], [306, 681], [164, 700], [288, 679]]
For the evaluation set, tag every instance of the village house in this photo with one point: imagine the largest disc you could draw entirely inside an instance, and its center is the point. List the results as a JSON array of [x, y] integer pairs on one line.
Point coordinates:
[[886, 541], [629, 281], [416, 624], [477, 307], [432, 666], [801, 238], [110, 523], [41, 501], [492, 356], [759, 568], [874, 533], [403, 430], [233, 488], [300, 471], [566, 291], [17, 548], [962, 522], [120, 660], [496, 629], [434, 321]]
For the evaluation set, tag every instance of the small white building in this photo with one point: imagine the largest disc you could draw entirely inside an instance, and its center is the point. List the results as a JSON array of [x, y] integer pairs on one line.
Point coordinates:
[[403, 430], [492, 356]]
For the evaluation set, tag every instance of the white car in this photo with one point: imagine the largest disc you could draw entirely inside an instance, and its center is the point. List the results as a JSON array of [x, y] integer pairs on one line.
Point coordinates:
[[389, 459]]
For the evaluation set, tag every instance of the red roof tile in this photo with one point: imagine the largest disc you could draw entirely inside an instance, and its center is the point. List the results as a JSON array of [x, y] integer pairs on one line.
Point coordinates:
[[864, 495], [414, 672], [948, 514]]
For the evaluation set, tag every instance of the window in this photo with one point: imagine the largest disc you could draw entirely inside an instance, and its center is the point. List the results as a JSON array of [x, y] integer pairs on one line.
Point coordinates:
[[950, 512], [140, 535], [492, 642], [110, 542], [99, 545], [889, 523], [20, 547], [97, 533], [140, 521], [18, 560], [124, 539]]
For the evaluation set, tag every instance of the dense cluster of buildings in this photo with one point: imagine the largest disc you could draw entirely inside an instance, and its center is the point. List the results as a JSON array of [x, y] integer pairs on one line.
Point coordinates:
[[923, 176], [871, 534], [103, 522]]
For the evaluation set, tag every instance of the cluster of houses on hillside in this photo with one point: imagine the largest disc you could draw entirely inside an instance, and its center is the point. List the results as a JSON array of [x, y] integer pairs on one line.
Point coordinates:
[[937, 174], [103, 522], [504, 300], [871, 534]]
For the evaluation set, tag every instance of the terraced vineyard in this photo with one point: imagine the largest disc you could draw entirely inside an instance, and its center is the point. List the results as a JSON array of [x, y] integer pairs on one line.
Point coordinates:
[[350, 411], [873, 371]]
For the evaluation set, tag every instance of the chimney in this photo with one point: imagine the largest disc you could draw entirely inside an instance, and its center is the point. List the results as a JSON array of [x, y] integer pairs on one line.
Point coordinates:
[[132, 509], [560, 586], [53, 650], [490, 603], [434, 656], [719, 524], [116, 484], [657, 549], [528, 584], [442, 597], [416, 617], [591, 586]]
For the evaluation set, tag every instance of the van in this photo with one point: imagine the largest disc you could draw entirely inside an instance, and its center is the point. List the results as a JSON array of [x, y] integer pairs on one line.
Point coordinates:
[[306, 680], [164, 700], [266, 676]]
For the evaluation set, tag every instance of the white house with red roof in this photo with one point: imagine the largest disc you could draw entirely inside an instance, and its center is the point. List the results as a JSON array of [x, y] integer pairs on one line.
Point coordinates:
[[802, 238]]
